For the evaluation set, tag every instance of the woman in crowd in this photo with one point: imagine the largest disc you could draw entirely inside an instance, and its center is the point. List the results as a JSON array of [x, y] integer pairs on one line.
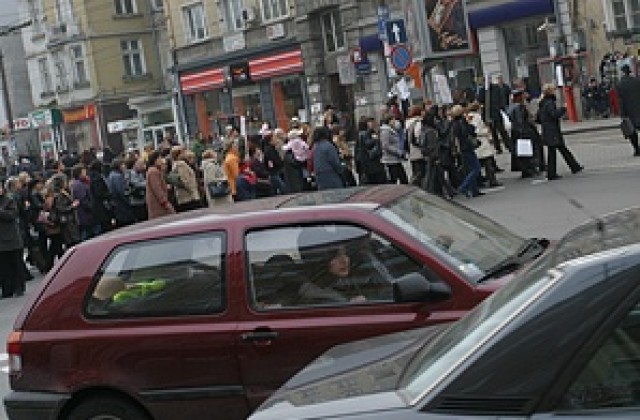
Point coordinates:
[[522, 128], [462, 132], [296, 153], [215, 179], [346, 157], [102, 207], [257, 164], [326, 160], [414, 130], [12, 278], [368, 152], [63, 215], [157, 196], [485, 152], [272, 147], [392, 154], [80, 191], [187, 194], [119, 190], [231, 165], [137, 181]]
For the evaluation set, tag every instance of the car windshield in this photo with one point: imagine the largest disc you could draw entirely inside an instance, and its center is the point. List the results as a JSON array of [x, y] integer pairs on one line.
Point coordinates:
[[437, 359], [468, 241]]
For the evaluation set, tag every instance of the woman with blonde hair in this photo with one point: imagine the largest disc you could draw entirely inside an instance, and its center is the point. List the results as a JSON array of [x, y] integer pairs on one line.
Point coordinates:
[[215, 180]]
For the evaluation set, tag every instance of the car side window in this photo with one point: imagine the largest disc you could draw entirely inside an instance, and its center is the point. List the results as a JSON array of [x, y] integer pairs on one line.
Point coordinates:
[[320, 265], [611, 379], [170, 276]]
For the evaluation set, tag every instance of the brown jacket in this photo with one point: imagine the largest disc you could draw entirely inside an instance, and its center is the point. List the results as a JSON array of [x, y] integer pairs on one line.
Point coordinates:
[[188, 177], [158, 204]]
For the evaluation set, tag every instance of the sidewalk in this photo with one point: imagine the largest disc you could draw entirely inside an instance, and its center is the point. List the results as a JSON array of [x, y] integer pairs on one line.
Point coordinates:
[[590, 125]]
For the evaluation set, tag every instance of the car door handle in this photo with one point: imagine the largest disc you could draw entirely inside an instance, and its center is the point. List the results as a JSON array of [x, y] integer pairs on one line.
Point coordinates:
[[259, 336]]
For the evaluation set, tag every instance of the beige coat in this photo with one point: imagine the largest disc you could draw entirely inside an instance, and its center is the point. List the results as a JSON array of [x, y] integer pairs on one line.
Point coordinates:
[[486, 149], [213, 171], [188, 177], [157, 198]]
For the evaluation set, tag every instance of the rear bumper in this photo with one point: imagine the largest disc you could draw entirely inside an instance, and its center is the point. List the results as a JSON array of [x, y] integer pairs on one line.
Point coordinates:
[[34, 405]]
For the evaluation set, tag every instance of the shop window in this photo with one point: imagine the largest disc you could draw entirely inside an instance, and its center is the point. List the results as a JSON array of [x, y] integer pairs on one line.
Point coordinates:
[[133, 58], [274, 9], [232, 10], [125, 7], [195, 23], [246, 102], [332, 32], [288, 100]]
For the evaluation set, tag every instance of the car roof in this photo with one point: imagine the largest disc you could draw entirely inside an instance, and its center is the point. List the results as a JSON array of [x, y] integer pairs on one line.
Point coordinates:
[[357, 199]]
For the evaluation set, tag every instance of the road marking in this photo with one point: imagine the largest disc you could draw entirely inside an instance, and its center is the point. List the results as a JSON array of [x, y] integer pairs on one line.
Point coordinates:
[[539, 181]]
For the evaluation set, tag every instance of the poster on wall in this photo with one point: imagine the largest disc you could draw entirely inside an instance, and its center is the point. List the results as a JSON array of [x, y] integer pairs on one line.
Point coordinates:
[[448, 28]]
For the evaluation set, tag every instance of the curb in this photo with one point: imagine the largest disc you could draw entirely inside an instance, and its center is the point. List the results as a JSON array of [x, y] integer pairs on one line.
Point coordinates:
[[579, 130]]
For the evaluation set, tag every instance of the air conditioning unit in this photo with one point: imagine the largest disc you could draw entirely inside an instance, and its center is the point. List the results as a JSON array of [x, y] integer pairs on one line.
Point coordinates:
[[249, 15]]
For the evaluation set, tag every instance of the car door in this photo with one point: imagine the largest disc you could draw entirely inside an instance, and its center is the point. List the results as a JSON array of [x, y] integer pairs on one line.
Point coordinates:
[[608, 386], [310, 287], [162, 327]]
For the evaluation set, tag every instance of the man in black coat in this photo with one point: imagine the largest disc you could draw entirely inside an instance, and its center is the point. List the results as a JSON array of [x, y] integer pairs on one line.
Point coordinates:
[[549, 116], [11, 247], [629, 94], [497, 102]]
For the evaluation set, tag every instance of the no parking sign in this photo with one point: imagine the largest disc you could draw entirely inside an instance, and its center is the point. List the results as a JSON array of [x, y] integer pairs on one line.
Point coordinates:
[[401, 58]]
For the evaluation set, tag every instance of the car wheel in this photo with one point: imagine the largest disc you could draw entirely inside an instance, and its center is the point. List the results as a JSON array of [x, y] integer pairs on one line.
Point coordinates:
[[106, 408]]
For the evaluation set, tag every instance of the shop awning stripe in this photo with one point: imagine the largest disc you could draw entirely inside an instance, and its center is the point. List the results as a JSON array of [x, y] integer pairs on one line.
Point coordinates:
[[280, 64], [202, 81]]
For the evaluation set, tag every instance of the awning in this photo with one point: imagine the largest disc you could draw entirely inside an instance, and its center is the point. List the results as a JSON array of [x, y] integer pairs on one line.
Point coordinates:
[[276, 65], [499, 12], [202, 81]]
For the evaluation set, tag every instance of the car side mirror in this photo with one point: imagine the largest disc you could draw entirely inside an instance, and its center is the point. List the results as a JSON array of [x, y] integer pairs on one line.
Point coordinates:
[[414, 287]]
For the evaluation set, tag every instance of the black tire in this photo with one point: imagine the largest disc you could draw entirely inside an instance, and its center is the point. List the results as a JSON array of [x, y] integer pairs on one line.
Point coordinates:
[[106, 408]]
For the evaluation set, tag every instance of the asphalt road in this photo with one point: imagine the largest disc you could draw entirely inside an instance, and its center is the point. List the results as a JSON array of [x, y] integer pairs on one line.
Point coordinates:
[[532, 207]]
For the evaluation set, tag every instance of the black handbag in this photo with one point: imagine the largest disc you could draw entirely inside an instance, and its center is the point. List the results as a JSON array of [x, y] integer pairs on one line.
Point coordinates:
[[627, 127], [219, 189]]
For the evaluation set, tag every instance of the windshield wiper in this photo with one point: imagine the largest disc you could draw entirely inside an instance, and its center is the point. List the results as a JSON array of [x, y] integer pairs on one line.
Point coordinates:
[[516, 260]]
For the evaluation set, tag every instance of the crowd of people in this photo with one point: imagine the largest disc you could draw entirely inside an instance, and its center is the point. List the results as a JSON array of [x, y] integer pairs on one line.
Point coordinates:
[[447, 150]]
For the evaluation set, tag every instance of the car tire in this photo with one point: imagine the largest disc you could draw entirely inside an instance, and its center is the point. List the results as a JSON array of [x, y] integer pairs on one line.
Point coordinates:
[[106, 408]]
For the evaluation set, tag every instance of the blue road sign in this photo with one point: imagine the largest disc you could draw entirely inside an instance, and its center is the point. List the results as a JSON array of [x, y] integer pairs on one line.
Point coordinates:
[[401, 58], [396, 32], [383, 17]]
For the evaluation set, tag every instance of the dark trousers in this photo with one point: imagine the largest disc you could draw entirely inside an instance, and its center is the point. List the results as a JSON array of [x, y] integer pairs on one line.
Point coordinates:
[[397, 173], [566, 154], [633, 139], [497, 128], [12, 278], [417, 172]]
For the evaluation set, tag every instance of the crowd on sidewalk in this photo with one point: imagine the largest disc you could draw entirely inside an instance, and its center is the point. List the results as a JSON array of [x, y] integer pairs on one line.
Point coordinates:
[[449, 151]]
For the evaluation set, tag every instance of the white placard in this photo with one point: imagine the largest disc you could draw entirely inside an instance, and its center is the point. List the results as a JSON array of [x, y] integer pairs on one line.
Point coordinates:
[[243, 126], [559, 76], [442, 86], [524, 148]]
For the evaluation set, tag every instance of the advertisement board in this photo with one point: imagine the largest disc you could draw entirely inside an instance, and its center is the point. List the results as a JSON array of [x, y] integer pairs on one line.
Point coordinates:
[[447, 32]]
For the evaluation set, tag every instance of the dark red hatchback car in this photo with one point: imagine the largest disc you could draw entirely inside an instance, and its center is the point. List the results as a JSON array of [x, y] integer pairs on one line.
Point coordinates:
[[210, 312]]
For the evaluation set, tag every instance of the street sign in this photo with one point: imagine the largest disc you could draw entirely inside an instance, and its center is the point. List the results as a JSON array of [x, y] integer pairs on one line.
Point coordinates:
[[363, 68], [383, 17], [396, 32], [401, 58]]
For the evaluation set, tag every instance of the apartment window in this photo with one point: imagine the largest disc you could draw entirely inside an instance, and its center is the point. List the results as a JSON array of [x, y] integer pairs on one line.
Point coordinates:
[[233, 14], [634, 5], [157, 4], [332, 31], [619, 14], [133, 58], [45, 76], [62, 83], [79, 66], [125, 7], [195, 22], [274, 9]]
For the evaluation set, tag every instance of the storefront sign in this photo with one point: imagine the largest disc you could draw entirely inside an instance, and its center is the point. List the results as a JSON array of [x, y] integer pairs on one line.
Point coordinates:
[[447, 28], [20, 124], [233, 42], [275, 31], [87, 112], [239, 74], [383, 17], [45, 117], [123, 125]]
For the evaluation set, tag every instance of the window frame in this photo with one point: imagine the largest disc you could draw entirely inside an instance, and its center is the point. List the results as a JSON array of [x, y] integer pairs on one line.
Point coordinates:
[[128, 54], [121, 5], [250, 290], [60, 71], [333, 14], [228, 10], [45, 75], [225, 279], [187, 19], [270, 3], [75, 60]]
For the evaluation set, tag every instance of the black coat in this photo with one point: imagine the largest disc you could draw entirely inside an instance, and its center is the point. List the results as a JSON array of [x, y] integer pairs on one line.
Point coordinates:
[[10, 238], [292, 171], [272, 159], [549, 115], [629, 94], [102, 208], [368, 152]]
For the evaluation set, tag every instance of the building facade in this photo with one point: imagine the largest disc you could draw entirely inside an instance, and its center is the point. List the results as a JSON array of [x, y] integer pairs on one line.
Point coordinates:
[[86, 61]]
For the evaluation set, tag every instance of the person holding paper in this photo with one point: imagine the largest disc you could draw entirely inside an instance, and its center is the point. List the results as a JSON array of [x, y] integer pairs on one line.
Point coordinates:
[[549, 116], [523, 135]]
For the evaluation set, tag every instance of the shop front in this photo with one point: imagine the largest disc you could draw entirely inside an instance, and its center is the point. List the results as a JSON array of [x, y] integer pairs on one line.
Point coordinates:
[[246, 93], [47, 124], [80, 131], [156, 120]]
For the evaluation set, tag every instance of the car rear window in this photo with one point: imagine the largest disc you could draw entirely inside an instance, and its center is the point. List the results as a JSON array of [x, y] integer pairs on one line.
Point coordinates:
[[170, 276]]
